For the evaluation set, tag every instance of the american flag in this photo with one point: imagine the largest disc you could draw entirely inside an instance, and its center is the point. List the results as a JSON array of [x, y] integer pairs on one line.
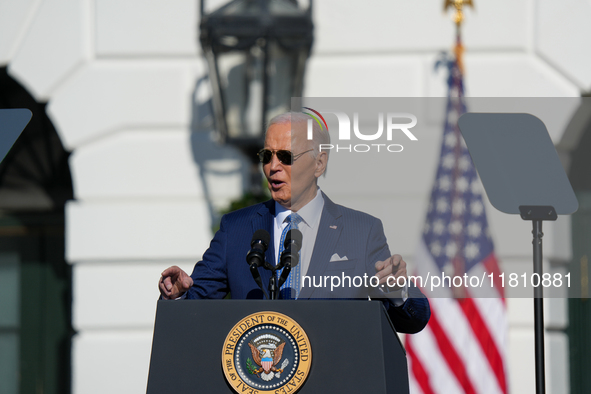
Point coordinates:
[[462, 349]]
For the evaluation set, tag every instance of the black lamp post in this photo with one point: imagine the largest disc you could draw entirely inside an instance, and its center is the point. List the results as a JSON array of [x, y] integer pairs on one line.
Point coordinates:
[[256, 51]]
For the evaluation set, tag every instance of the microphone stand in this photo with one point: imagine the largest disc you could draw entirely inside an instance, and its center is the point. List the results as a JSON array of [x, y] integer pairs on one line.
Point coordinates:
[[287, 261], [256, 256], [254, 270], [273, 287], [289, 258]]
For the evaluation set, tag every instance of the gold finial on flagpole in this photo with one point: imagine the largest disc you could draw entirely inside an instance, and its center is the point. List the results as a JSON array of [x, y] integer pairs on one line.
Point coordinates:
[[458, 5], [458, 18]]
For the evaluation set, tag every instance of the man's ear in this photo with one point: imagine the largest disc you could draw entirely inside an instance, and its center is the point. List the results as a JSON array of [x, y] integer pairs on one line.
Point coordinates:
[[321, 161]]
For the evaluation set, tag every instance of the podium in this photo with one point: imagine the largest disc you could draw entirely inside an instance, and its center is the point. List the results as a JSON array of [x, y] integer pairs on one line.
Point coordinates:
[[354, 347]]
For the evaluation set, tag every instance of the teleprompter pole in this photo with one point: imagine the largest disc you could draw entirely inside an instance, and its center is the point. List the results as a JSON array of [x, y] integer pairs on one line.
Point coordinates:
[[539, 308], [537, 214]]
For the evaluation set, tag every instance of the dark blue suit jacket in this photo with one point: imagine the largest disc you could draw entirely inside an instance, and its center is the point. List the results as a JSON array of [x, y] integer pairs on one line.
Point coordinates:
[[344, 231]]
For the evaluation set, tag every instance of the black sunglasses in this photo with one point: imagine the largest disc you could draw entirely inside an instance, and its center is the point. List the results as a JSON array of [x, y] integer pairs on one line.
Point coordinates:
[[284, 156]]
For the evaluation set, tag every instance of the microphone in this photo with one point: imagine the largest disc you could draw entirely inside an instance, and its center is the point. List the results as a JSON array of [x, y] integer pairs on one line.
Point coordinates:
[[256, 256], [258, 244], [290, 255]]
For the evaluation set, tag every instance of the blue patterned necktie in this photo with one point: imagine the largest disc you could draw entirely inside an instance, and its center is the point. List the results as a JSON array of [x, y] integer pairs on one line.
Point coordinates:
[[293, 280]]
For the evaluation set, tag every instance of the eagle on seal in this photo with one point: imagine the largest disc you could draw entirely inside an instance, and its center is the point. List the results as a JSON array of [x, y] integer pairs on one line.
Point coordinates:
[[267, 359]]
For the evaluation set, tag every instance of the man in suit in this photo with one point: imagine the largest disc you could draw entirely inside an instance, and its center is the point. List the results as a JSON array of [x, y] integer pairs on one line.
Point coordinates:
[[338, 242]]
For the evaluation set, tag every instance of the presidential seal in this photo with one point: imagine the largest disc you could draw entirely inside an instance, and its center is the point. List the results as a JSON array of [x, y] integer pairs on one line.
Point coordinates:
[[266, 353]]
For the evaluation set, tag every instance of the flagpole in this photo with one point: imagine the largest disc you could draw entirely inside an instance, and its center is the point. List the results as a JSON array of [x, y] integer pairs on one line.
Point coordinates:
[[462, 348], [458, 18]]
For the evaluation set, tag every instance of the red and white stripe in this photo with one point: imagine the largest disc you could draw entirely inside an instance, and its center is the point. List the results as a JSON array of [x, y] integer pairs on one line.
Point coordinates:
[[462, 349]]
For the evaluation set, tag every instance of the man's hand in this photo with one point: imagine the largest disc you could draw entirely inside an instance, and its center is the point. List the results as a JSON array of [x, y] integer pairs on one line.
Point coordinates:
[[392, 267], [174, 282]]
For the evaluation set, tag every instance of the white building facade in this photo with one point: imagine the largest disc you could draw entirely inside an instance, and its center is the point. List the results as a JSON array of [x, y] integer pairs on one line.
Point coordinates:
[[124, 81]]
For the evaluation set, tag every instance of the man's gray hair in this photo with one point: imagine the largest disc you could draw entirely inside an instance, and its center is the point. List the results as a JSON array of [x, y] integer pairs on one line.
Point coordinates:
[[320, 134]]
